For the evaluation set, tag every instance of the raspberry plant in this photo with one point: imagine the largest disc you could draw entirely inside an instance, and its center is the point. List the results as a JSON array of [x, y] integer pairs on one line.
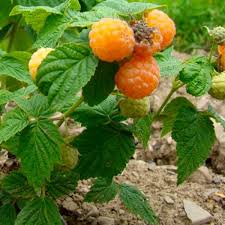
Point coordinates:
[[64, 59]]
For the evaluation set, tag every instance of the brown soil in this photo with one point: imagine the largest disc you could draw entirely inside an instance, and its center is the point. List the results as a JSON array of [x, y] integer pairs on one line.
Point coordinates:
[[156, 183], [159, 182]]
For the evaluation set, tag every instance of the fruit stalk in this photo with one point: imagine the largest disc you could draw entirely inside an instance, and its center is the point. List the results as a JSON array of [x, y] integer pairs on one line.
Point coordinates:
[[176, 85], [71, 110]]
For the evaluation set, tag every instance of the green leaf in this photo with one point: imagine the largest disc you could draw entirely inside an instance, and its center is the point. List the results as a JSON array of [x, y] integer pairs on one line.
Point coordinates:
[[37, 106], [197, 75], [137, 203], [6, 7], [12, 145], [6, 96], [170, 112], [51, 3], [40, 211], [102, 191], [17, 185], [86, 19], [104, 151], [109, 8], [21, 203], [87, 4], [22, 56], [39, 150], [52, 31], [169, 65], [5, 198], [142, 129], [34, 15], [62, 183], [195, 136], [64, 72], [13, 122], [215, 115], [70, 5], [101, 84], [103, 113], [5, 30], [7, 214], [14, 68], [125, 9]]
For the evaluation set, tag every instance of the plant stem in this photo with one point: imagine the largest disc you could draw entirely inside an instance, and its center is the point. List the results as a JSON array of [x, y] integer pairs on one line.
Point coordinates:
[[176, 85], [43, 191], [211, 51], [165, 102], [13, 34], [71, 110]]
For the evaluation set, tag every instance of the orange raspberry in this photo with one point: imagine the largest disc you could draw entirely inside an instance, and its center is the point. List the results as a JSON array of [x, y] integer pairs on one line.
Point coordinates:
[[164, 23], [138, 77], [221, 49], [222, 62], [36, 60], [112, 39]]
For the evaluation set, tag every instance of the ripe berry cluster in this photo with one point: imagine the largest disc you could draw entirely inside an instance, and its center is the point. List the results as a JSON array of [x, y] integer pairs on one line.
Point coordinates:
[[132, 45], [115, 40]]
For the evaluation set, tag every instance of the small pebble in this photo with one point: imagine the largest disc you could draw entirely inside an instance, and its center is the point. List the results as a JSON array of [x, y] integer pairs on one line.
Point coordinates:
[[103, 220], [94, 212], [168, 200]]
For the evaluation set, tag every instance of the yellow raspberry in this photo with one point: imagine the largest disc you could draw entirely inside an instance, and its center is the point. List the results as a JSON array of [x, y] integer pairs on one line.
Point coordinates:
[[138, 77], [112, 39], [164, 23], [36, 60]]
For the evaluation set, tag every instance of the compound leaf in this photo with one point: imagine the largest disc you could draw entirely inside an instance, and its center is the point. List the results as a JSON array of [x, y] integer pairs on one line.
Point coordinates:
[[142, 129], [17, 185], [39, 150], [13, 122], [104, 151], [37, 106], [52, 31], [34, 15], [62, 183], [196, 74], [101, 84], [170, 113], [137, 203], [40, 211], [64, 72], [124, 8], [195, 136], [12, 67], [7, 214], [169, 65], [102, 191], [50, 3], [101, 114]]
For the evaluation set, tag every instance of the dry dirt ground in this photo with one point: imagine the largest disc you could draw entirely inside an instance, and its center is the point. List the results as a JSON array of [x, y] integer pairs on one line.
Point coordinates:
[[154, 173], [158, 180], [158, 183]]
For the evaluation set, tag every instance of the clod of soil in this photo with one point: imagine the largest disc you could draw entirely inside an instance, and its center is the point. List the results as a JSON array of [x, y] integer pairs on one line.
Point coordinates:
[[158, 183]]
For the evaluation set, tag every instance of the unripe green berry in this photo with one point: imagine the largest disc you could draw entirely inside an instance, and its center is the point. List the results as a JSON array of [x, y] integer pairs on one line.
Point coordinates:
[[69, 157], [218, 34], [218, 87], [135, 108]]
